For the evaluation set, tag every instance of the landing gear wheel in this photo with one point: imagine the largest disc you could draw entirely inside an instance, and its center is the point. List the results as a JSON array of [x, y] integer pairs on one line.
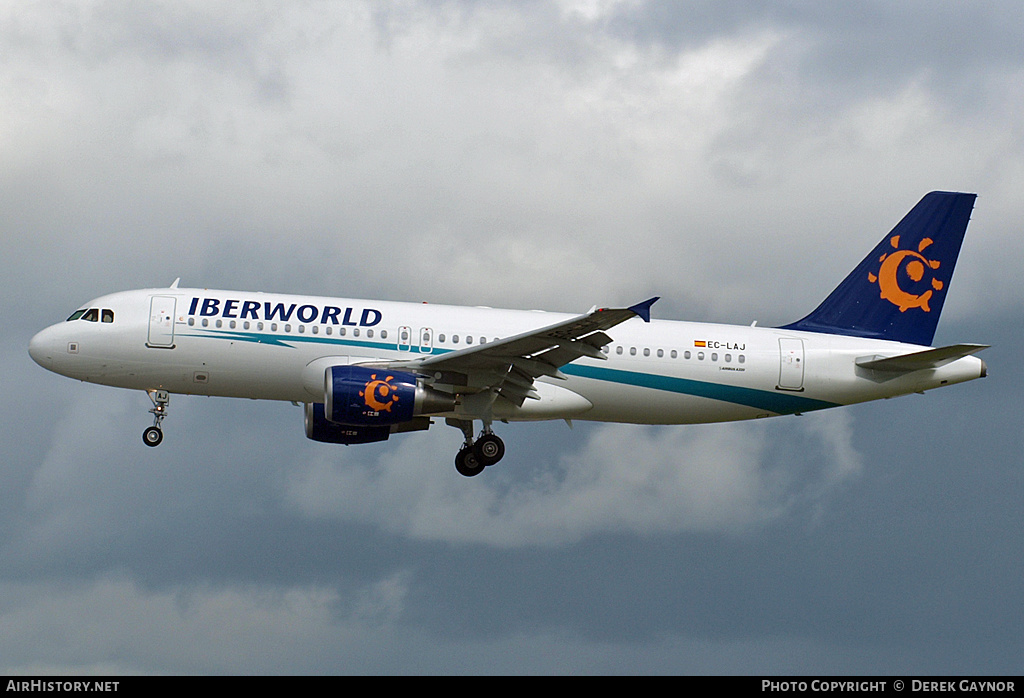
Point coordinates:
[[489, 449], [152, 436], [468, 463]]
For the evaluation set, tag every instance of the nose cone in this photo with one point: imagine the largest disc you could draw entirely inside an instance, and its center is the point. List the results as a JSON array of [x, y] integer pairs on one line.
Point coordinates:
[[42, 346]]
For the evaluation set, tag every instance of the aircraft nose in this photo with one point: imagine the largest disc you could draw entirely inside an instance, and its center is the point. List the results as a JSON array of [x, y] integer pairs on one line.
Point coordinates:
[[40, 348]]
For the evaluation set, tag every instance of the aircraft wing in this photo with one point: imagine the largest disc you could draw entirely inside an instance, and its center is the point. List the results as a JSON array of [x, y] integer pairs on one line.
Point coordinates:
[[510, 365]]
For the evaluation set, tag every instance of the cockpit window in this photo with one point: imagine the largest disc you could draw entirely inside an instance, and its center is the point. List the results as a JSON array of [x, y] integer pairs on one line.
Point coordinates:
[[93, 315]]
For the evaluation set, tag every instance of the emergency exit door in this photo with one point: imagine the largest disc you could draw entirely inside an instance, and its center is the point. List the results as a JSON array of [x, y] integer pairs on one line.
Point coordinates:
[[791, 364]]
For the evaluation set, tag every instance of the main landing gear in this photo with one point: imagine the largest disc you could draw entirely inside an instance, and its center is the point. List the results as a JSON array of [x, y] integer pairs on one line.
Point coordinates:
[[475, 455], [153, 435]]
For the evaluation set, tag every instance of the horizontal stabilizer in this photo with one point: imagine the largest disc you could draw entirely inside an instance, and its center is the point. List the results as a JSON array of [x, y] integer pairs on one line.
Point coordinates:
[[930, 358]]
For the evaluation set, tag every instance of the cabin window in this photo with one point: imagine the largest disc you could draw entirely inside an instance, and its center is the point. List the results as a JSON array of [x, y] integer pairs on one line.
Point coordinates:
[[618, 350], [647, 352], [714, 356], [700, 356], [355, 332], [742, 359], [632, 351], [675, 354], [469, 340], [383, 334], [728, 358], [369, 333], [220, 323], [661, 353], [191, 322], [687, 354]]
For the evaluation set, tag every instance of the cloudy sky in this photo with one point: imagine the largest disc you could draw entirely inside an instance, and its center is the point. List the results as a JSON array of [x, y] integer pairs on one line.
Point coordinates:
[[735, 158]]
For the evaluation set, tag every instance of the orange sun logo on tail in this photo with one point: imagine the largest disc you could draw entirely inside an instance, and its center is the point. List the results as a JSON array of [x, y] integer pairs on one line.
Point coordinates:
[[910, 264], [378, 394]]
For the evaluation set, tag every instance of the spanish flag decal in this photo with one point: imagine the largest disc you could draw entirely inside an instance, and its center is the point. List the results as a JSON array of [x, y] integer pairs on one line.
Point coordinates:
[[699, 343]]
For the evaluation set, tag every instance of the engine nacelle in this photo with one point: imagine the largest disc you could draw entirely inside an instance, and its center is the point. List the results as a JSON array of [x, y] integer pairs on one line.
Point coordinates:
[[318, 428], [359, 396]]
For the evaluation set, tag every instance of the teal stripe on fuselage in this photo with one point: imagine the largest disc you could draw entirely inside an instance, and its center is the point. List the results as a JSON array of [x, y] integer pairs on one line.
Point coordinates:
[[290, 339], [779, 403]]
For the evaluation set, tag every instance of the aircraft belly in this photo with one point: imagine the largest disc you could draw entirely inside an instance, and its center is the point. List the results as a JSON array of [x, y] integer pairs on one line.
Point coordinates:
[[556, 402]]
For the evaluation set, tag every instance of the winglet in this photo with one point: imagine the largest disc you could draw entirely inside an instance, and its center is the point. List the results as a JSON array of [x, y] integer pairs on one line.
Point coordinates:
[[643, 310]]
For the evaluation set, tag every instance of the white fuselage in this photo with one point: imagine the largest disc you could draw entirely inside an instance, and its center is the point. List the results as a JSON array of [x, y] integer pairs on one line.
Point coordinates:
[[276, 347]]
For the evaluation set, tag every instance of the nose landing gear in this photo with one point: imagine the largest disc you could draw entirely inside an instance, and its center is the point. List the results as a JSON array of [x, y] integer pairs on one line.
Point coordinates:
[[475, 455], [153, 435]]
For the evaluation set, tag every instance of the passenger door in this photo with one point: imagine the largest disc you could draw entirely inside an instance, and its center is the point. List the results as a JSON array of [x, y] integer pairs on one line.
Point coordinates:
[[161, 322]]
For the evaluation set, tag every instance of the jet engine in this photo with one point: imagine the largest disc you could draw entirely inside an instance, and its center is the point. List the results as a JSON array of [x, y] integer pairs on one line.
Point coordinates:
[[318, 428], [373, 397]]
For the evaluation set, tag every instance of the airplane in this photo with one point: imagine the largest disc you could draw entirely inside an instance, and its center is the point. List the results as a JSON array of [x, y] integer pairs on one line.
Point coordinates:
[[364, 370]]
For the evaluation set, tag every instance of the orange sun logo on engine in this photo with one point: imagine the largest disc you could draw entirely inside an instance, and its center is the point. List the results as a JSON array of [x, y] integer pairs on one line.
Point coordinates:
[[908, 264], [378, 394]]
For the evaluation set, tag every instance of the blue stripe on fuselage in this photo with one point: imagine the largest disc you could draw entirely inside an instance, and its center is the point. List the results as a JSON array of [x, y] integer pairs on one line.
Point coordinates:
[[288, 340], [779, 403]]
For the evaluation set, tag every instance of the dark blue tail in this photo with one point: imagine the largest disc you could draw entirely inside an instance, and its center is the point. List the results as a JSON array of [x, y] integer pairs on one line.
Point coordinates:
[[898, 290]]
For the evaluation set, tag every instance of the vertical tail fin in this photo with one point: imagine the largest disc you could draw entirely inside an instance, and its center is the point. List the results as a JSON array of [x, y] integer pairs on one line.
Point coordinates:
[[897, 292]]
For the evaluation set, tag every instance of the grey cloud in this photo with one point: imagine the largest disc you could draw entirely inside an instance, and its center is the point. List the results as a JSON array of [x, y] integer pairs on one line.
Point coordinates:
[[624, 478]]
